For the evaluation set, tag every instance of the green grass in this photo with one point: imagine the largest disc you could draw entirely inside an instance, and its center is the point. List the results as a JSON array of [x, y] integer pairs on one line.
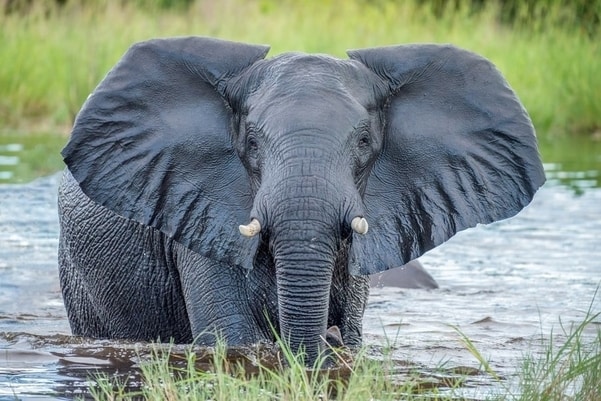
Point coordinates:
[[571, 371], [566, 369], [227, 380], [53, 58]]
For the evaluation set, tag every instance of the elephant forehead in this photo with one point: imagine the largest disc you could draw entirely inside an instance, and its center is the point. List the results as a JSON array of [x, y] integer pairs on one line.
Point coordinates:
[[305, 109], [302, 76], [294, 64]]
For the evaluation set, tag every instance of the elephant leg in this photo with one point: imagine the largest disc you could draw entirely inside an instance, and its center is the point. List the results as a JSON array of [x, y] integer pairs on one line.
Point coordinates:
[[219, 300], [83, 317], [348, 298], [115, 274]]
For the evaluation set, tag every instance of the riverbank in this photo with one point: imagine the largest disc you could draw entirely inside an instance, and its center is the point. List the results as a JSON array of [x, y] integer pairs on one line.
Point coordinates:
[[53, 57]]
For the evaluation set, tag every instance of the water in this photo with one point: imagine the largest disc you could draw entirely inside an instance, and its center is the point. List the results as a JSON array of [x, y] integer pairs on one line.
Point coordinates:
[[504, 285]]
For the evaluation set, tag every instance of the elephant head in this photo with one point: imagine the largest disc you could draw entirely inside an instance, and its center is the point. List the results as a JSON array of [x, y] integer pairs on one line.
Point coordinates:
[[367, 162]]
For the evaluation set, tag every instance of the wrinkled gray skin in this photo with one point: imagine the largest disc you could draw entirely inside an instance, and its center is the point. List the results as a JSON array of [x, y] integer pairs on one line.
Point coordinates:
[[187, 138]]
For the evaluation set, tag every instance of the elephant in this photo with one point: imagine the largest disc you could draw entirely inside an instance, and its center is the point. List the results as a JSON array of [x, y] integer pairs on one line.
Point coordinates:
[[411, 275], [211, 192]]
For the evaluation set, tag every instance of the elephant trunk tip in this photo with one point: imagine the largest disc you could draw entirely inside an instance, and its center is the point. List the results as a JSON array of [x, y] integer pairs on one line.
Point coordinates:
[[251, 229], [359, 225]]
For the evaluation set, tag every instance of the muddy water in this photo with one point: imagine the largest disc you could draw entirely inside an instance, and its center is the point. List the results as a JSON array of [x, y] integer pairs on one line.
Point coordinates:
[[504, 285]]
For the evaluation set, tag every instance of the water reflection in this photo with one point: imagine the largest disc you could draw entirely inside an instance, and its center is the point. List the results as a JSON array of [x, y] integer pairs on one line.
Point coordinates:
[[578, 181], [572, 161], [8, 160], [26, 157]]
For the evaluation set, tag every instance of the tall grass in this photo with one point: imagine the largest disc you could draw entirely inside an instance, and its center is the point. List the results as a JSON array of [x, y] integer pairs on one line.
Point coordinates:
[[289, 381], [52, 58], [569, 369]]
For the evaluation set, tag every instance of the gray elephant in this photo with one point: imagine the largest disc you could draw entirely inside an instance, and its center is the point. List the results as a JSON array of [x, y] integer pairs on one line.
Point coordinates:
[[411, 275], [209, 190]]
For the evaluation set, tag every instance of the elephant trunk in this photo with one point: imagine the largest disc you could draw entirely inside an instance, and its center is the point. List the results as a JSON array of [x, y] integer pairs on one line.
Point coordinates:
[[305, 233], [304, 258]]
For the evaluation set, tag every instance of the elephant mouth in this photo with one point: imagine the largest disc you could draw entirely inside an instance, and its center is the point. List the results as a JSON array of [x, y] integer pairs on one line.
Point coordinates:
[[333, 337]]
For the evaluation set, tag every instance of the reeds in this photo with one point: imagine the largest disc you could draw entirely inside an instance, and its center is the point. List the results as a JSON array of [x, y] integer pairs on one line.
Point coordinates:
[[564, 367], [52, 57]]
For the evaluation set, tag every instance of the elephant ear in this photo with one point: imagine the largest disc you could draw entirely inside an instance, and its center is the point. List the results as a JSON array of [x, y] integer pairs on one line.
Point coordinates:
[[459, 149], [153, 144]]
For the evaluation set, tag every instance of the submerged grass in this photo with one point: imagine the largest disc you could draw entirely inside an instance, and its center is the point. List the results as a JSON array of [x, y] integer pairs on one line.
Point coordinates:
[[52, 58], [570, 370]]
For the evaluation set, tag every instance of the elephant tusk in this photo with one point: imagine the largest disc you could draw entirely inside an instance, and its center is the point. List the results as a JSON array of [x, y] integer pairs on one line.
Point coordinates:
[[251, 229], [359, 225]]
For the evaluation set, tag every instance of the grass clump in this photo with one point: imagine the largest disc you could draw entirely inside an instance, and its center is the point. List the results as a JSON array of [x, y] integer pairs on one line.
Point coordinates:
[[53, 56], [223, 376], [570, 370]]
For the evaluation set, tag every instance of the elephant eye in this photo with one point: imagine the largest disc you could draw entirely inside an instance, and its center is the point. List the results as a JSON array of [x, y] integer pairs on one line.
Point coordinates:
[[251, 144], [364, 140]]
